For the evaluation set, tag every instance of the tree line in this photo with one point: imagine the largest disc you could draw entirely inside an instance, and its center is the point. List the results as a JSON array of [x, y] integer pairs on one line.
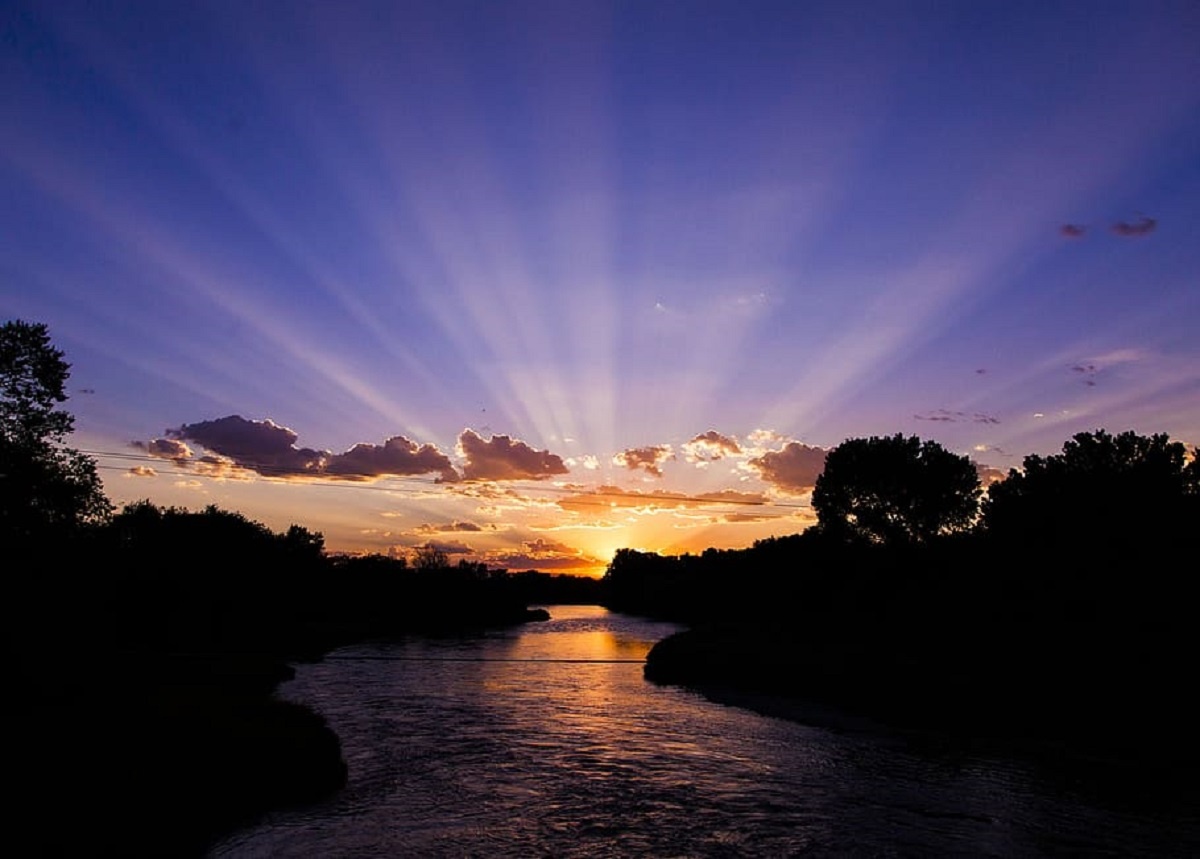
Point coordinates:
[[1058, 602]]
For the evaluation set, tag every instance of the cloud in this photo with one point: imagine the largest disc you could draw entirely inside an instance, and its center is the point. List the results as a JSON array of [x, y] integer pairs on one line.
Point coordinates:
[[448, 548], [264, 447], [221, 468], [1072, 231], [1141, 227], [142, 471], [991, 448], [941, 415], [429, 528], [396, 456], [606, 498], [989, 474], [588, 461], [1118, 356], [767, 436], [167, 448], [710, 446], [502, 458], [951, 417], [1088, 371], [541, 554], [494, 499], [739, 518], [648, 459], [793, 469]]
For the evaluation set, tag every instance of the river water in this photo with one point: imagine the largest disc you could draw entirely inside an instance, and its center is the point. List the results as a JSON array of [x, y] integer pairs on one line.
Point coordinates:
[[545, 740]]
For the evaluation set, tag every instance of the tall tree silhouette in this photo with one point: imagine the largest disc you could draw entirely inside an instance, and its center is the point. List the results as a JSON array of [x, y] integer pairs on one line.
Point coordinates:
[[45, 486], [895, 490]]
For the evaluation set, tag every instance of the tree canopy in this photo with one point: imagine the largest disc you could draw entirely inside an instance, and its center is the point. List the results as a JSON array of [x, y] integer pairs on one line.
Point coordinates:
[[895, 490], [1100, 482], [43, 483]]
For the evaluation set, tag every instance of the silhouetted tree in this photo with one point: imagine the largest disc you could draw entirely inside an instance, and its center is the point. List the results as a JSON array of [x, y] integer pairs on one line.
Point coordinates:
[[895, 490], [1100, 486], [300, 541], [430, 557], [44, 485]]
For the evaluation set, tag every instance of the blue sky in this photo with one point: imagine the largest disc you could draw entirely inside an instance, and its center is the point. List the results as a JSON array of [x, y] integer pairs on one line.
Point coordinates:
[[655, 257]]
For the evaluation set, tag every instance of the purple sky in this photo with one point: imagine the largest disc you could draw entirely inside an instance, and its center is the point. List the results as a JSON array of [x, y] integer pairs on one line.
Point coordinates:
[[535, 281]]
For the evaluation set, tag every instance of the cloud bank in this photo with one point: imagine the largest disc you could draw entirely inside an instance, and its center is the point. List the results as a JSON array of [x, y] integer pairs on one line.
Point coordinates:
[[264, 447]]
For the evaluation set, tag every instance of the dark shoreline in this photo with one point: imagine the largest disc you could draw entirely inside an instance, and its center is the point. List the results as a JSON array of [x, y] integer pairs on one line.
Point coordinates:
[[770, 674], [145, 754]]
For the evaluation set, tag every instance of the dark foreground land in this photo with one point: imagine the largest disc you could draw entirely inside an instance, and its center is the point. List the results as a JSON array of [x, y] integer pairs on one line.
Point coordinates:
[[162, 758], [141, 715]]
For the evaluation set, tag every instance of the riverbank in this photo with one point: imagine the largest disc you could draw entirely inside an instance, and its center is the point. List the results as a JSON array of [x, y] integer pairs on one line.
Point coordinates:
[[159, 756], [153, 754], [781, 672]]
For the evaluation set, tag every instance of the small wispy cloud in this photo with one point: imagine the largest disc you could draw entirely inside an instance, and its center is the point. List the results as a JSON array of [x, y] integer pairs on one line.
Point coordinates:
[[947, 416], [1141, 227]]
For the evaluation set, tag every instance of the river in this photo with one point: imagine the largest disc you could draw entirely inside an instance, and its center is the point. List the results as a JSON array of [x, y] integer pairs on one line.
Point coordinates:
[[545, 740]]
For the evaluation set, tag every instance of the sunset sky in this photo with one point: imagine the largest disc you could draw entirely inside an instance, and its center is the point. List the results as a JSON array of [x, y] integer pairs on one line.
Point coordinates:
[[534, 281]]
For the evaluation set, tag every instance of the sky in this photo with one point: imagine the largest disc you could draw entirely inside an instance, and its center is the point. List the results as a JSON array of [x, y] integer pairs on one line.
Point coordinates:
[[530, 282]]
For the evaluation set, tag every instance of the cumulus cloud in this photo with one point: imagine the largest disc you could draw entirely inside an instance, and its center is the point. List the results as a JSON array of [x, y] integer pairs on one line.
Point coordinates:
[[1141, 227], [648, 459], [264, 447], [396, 456], [167, 448], [503, 458], [767, 436], [142, 471], [588, 461], [794, 469], [710, 446]]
